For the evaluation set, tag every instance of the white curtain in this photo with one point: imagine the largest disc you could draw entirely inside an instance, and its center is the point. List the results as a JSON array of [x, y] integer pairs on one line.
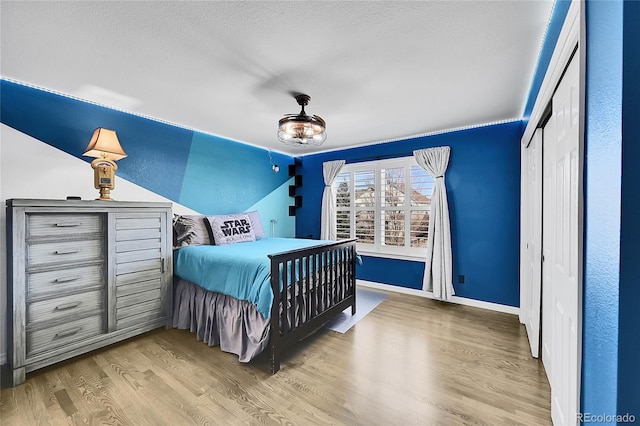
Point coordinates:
[[330, 171], [438, 264]]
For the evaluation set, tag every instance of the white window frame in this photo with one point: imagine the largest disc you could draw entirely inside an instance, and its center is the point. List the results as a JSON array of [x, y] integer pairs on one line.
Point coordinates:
[[378, 249]]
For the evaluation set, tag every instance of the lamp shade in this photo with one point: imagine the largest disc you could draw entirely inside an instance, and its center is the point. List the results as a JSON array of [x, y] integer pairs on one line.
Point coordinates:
[[104, 144], [302, 129]]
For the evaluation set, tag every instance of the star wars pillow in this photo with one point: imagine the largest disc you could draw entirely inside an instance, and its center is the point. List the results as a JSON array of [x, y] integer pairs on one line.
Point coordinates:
[[231, 229]]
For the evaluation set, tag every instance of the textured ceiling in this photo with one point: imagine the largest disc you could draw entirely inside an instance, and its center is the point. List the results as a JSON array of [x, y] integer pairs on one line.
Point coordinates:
[[375, 71]]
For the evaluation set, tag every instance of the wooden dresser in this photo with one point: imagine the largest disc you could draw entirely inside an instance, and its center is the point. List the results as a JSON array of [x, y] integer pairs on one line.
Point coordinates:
[[82, 275]]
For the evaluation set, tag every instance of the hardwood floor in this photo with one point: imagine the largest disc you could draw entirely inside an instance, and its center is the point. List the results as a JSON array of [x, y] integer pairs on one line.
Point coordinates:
[[411, 361]]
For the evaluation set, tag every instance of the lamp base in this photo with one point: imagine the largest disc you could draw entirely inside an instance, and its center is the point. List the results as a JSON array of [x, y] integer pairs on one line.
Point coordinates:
[[104, 175], [105, 194]]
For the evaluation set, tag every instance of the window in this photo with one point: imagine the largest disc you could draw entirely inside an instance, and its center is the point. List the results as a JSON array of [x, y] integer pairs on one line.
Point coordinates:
[[385, 204]]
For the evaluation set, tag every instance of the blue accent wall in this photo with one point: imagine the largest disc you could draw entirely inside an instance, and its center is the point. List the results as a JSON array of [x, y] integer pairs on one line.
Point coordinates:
[[206, 173], [603, 134], [483, 189], [225, 177], [157, 153], [629, 330]]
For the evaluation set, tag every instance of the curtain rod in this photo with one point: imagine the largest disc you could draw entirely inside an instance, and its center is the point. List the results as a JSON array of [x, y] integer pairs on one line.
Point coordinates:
[[380, 157]]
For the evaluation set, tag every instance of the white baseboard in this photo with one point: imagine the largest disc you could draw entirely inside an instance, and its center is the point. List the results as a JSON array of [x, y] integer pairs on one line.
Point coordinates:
[[429, 295]]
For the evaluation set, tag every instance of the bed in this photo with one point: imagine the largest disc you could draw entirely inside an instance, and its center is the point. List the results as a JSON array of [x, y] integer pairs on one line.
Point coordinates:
[[256, 292]]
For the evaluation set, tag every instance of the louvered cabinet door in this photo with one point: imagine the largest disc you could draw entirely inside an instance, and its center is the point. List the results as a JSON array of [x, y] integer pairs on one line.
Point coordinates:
[[141, 269]]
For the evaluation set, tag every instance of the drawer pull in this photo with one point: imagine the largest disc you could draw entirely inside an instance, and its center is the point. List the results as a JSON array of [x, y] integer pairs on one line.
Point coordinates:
[[66, 251], [66, 306], [67, 333], [65, 280], [67, 225]]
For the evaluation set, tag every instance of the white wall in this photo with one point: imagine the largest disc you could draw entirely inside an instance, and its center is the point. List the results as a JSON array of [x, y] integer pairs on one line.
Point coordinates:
[[32, 169]]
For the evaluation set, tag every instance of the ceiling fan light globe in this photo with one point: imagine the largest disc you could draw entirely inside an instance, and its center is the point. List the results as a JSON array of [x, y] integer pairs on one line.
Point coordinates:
[[283, 135]]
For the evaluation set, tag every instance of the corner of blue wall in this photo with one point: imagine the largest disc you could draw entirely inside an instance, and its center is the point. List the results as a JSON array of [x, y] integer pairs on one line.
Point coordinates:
[[483, 187], [223, 176]]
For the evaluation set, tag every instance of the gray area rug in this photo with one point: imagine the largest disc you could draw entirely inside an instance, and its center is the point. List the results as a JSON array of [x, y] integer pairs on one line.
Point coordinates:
[[366, 301]]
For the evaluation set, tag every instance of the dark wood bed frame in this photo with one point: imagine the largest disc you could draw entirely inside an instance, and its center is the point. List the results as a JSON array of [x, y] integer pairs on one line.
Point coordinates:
[[321, 284]]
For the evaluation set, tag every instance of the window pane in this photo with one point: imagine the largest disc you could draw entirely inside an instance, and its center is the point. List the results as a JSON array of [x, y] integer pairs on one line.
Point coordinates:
[[364, 188], [343, 224], [393, 222], [385, 205], [365, 226], [393, 186], [419, 228], [422, 187], [342, 186]]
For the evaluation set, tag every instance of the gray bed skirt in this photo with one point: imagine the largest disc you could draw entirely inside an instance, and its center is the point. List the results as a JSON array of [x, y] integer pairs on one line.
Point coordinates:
[[217, 319]]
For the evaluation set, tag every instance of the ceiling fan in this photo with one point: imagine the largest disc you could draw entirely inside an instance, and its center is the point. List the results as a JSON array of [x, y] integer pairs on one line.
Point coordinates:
[[302, 129]]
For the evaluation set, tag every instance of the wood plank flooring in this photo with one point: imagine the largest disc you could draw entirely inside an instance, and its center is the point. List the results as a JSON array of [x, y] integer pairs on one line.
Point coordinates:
[[411, 361]]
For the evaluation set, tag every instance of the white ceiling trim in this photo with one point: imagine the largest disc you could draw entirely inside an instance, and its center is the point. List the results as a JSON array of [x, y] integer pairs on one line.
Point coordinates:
[[540, 48], [157, 120], [420, 135]]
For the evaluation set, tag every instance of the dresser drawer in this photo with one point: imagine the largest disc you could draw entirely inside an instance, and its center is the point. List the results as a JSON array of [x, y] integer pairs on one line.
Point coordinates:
[[62, 225], [64, 280], [60, 335], [64, 252], [71, 306]]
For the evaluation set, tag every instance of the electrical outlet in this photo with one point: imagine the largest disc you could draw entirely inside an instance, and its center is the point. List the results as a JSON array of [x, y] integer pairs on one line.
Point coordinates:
[[460, 279]]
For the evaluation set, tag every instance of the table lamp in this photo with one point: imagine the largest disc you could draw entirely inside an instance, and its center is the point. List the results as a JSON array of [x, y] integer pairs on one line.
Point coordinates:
[[106, 149]]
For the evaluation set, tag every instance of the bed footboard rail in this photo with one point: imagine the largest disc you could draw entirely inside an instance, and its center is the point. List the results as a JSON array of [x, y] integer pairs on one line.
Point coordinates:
[[310, 286]]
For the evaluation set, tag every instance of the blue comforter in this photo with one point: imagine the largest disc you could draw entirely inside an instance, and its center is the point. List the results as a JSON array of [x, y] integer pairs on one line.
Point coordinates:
[[241, 270]]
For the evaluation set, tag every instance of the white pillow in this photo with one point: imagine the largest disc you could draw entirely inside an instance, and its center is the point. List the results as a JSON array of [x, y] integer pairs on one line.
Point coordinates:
[[230, 229], [254, 216]]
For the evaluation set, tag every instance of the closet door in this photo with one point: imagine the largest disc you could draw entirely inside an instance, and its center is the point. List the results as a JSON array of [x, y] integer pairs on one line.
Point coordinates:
[[532, 238], [524, 234], [548, 143], [564, 244]]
